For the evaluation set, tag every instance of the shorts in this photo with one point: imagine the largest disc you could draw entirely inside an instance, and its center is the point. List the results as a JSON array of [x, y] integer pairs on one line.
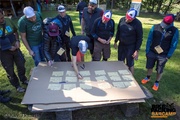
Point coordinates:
[[159, 60], [125, 52], [101, 50]]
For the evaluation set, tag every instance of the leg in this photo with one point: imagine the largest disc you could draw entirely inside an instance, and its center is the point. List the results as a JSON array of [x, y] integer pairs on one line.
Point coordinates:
[[106, 52], [20, 63], [97, 51], [68, 51], [151, 60], [8, 64], [38, 54]]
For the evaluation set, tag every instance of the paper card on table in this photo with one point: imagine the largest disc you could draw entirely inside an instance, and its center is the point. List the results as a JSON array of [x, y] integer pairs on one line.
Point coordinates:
[[69, 86], [129, 84], [71, 79], [100, 72], [56, 79], [60, 51], [104, 85], [85, 79], [70, 73], [127, 77], [113, 74], [115, 78], [54, 87], [123, 72], [58, 73], [85, 86], [101, 78], [119, 84], [85, 73]]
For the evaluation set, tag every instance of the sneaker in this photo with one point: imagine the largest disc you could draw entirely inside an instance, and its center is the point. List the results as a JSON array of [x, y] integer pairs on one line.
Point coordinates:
[[4, 99], [2, 92], [156, 86], [25, 82], [145, 80], [20, 89]]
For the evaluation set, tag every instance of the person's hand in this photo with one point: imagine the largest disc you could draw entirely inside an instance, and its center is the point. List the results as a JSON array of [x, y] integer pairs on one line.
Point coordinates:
[[31, 53], [115, 45], [82, 32], [135, 55], [17, 44], [79, 76], [50, 62], [103, 41], [13, 48]]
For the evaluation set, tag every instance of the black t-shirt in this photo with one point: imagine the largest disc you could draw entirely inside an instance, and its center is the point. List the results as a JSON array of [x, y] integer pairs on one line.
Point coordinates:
[[74, 43]]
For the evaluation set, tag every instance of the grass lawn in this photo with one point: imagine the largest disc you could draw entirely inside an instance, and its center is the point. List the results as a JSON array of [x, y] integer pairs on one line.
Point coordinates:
[[169, 91]]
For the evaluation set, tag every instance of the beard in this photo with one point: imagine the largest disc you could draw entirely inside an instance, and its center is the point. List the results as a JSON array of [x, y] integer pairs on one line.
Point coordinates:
[[90, 10]]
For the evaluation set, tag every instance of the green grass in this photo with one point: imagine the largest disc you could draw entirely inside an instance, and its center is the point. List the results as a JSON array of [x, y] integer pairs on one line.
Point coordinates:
[[169, 91]]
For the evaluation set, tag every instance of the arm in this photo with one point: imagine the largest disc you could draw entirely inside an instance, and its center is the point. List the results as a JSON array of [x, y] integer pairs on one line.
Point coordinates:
[[82, 25], [111, 31], [75, 67], [71, 27], [149, 39], [173, 44], [117, 35], [139, 35], [24, 40]]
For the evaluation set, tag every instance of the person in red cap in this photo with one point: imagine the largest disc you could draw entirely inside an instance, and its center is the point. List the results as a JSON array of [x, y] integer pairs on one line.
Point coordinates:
[[161, 44], [103, 31], [129, 34]]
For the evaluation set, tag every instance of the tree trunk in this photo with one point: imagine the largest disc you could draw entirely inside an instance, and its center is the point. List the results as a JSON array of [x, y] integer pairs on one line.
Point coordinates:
[[167, 8], [159, 3]]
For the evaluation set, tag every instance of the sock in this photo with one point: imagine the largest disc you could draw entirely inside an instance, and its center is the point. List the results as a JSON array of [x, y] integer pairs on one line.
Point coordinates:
[[156, 81], [148, 76]]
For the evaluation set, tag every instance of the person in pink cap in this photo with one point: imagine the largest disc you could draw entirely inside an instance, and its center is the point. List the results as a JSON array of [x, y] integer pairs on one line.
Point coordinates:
[[129, 34], [161, 44], [102, 32]]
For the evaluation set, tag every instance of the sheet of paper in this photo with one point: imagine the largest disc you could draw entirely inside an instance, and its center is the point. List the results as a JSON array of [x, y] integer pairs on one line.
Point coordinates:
[[119, 84], [104, 85], [129, 84], [56, 79], [60, 51], [85, 86], [127, 77], [71, 79], [54, 87], [101, 78], [85, 73], [113, 74], [70, 73], [100, 72], [115, 78], [69, 86], [123, 72], [58, 73]]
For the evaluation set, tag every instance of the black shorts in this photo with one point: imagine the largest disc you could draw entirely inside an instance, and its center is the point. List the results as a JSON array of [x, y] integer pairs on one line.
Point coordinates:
[[159, 60], [125, 52]]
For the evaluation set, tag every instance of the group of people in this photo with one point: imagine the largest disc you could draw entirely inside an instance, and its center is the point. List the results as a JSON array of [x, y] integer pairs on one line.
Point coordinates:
[[50, 40]]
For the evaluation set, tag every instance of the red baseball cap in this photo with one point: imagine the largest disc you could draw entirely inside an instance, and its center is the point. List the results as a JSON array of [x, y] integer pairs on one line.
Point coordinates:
[[53, 30]]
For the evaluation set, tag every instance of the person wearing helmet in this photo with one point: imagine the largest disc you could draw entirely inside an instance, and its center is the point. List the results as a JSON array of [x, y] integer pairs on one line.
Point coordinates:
[[129, 34], [79, 43]]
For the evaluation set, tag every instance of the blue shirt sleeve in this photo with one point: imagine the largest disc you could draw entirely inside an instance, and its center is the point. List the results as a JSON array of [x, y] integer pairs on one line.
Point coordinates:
[[149, 39], [173, 44]]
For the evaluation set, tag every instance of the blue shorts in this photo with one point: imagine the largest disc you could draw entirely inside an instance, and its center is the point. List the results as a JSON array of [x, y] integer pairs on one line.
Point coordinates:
[[125, 52], [159, 60]]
